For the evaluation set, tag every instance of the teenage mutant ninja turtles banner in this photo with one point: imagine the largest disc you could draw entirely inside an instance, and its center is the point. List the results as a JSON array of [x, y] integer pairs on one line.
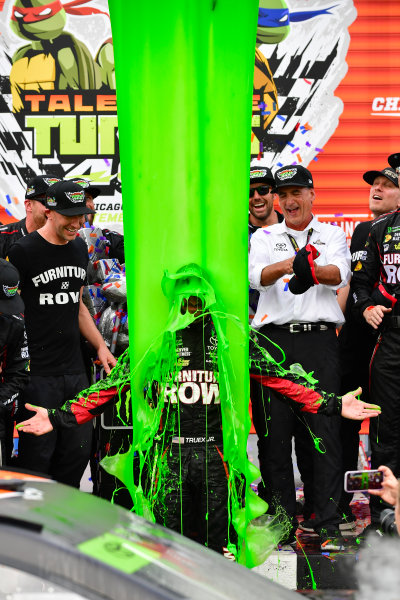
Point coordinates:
[[325, 96], [58, 102]]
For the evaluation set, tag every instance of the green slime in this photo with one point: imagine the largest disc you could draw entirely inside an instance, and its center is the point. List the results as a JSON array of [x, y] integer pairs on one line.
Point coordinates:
[[184, 96]]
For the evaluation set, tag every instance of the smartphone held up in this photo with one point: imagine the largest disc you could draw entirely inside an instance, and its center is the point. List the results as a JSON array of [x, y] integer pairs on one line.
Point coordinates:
[[362, 481]]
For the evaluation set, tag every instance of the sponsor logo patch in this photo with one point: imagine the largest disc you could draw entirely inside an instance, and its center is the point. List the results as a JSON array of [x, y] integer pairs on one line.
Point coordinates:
[[83, 183], [51, 201], [51, 180], [76, 197], [388, 237], [280, 247], [286, 174], [358, 266], [10, 291]]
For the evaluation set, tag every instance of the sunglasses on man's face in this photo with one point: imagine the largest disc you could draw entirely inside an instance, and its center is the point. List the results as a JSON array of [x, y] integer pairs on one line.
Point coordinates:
[[262, 190]]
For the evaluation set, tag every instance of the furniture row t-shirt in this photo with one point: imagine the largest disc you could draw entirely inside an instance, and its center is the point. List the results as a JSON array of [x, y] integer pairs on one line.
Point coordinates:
[[51, 279]]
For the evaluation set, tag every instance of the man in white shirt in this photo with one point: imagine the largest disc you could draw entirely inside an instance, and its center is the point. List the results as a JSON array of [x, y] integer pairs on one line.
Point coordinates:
[[297, 266]]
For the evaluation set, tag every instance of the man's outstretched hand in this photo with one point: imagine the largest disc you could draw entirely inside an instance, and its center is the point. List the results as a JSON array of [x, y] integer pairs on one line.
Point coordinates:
[[38, 424], [355, 409]]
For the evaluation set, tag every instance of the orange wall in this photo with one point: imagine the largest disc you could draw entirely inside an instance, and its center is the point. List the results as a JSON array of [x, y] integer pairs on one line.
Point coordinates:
[[361, 141]]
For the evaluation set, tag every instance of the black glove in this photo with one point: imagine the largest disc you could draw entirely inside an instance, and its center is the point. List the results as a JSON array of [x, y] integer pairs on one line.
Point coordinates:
[[304, 272]]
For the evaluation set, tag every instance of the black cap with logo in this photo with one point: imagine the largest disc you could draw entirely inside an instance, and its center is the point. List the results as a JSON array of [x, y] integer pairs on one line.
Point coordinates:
[[67, 198], [38, 186], [303, 269], [89, 189], [390, 174], [295, 175], [394, 160], [261, 175], [10, 301]]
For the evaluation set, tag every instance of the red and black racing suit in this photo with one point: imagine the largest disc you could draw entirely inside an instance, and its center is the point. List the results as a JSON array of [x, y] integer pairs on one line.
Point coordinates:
[[14, 374], [194, 471], [378, 282], [9, 234]]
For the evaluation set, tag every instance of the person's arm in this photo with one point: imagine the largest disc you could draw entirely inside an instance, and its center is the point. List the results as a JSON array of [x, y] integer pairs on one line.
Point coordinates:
[[274, 272], [81, 409], [262, 271], [90, 332], [302, 388], [342, 295], [327, 274], [365, 279], [336, 272]]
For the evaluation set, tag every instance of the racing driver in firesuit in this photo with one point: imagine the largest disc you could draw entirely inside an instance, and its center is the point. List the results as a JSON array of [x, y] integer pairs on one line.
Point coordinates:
[[195, 473], [376, 288]]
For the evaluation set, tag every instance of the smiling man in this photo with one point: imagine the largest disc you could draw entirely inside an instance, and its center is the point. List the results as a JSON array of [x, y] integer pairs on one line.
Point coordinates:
[[376, 292], [297, 266], [261, 199], [261, 214], [52, 265]]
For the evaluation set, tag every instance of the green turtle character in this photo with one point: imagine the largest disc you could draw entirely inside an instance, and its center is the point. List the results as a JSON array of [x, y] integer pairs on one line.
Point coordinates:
[[54, 59], [264, 89]]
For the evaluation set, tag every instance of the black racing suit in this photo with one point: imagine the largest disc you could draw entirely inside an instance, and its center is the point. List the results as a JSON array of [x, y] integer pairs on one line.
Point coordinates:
[[357, 340], [193, 467], [14, 373], [9, 234], [377, 282]]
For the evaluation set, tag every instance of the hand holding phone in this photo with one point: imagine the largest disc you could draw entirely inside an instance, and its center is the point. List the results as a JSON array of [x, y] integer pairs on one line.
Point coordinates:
[[361, 481]]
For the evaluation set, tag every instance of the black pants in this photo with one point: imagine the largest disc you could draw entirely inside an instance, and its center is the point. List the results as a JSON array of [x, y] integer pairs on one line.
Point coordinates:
[[193, 494], [64, 453], [356, 345], [277, 421], [385, 391]]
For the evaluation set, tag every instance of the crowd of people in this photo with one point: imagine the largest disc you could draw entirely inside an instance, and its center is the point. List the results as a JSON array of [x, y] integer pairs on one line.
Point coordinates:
[[305, 286], [310, 286]]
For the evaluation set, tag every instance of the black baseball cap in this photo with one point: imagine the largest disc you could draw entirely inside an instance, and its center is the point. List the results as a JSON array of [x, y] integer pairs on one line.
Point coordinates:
[[390, 174], [11, 302], [394, 160], [303, 269], [261, 175], [296, 175], [67, 198], [90, 189], [38, 186]]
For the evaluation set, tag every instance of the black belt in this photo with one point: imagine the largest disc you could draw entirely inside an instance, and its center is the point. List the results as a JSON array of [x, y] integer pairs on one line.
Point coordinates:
[[303, 327]]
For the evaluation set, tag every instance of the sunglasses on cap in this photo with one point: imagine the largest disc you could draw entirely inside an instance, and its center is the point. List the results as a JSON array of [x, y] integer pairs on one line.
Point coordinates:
[[397, 169], [261, 190]]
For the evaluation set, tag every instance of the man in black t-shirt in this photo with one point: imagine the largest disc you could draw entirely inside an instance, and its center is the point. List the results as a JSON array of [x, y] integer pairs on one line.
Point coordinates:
[[52, 265]]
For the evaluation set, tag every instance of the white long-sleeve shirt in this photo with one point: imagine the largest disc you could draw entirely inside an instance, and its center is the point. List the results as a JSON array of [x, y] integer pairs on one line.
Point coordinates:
[[277, 304]]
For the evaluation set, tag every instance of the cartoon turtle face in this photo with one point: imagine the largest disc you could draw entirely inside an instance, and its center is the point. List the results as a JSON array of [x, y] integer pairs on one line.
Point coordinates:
[[38, 19], [273, 21]]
